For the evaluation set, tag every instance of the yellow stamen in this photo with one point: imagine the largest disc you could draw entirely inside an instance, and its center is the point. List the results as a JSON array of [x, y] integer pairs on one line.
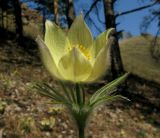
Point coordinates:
[[82, 49]]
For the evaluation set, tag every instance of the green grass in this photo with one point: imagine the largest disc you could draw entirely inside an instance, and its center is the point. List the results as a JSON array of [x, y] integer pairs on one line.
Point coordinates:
[[137, 58]]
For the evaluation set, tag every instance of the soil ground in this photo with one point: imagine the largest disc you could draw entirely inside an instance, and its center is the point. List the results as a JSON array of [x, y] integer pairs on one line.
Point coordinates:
[[23, 110]]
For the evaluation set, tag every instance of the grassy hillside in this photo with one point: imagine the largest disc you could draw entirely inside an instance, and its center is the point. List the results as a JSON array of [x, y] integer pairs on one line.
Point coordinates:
[[137, 58]]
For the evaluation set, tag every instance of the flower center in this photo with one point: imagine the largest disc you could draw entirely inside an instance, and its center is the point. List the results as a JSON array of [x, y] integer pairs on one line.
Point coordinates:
[[82, 49]]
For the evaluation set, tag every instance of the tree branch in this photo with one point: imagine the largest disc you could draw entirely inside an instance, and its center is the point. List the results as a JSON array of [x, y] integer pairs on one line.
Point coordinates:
[[94, 24], [98, 16], [146, 23], [91, 7], [136, 9]]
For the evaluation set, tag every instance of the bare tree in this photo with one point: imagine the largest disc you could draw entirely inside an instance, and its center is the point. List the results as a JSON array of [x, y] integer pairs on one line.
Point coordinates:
[[55, 10], [2, 3], [110, 16], [137, 9], [18, 19], [110, 22], [154, 16], [4, 8], [69, 12]]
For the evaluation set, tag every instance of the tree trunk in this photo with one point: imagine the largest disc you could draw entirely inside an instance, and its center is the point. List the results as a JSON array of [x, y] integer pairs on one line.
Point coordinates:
[[55, 11], [43, 21], [18, 20], [116, 61], [69, 12], [2, 17], [2, 3]]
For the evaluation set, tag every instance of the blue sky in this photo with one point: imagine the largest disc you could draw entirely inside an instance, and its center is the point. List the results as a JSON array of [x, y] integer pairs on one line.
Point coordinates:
[[82, 6], [129, 23]]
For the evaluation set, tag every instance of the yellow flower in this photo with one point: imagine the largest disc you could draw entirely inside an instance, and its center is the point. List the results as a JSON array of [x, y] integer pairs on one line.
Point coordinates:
[[75, 56]]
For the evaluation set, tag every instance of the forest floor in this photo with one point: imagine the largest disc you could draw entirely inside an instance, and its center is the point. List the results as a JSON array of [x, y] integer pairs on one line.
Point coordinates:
[[26, 114]]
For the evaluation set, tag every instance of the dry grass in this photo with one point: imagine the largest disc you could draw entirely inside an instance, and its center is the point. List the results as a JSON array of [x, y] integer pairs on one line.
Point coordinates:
[[31, 29], [25, 110], [137, 58]]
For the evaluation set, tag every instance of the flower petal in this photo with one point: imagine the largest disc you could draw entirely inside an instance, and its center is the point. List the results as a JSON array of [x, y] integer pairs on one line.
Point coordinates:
[[101, 63], [74, 66], [101, 41], [56, 40], [47, 58], [79, 33]]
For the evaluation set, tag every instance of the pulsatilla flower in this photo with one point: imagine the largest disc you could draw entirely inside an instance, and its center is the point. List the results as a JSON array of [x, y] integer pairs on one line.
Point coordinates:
[[75, 56]]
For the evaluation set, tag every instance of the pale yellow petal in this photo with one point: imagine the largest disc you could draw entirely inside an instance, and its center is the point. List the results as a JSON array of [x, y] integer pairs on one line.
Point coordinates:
[[101, 64], [56, 40], [101, 41], [74, 66], [79, 33], [48, 59]]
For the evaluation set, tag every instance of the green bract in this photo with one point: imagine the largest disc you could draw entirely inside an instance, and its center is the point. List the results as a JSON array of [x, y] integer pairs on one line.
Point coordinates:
[[75, 56]]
